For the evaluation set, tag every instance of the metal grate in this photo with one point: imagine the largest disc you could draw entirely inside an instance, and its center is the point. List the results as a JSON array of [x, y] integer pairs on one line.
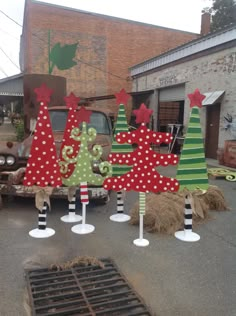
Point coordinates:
[[83, 290]]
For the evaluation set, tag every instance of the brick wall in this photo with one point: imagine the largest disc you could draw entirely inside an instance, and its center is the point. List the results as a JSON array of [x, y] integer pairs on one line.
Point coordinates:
[[107, 46]]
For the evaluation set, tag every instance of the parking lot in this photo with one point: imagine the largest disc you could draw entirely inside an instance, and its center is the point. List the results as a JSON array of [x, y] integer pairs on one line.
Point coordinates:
[[173, 277]]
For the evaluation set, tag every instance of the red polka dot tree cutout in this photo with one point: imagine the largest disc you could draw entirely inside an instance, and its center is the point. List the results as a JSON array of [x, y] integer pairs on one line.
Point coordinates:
[[72, 122], [143, 176], [42, 167]]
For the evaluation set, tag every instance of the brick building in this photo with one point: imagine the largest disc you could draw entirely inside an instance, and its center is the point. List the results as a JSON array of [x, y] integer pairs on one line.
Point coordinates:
[[107, 46]]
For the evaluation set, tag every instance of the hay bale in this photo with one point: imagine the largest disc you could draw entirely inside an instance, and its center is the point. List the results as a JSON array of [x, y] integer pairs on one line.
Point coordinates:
[[215, 199], [165, 211], [161, 215]]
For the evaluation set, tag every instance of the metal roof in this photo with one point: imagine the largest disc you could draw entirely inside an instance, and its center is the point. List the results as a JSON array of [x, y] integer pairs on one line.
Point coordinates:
[[12, 86], [206, 42], [212, 97]]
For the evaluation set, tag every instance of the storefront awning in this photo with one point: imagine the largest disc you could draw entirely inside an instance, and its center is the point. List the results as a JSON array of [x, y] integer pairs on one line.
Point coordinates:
[[11, 88], [212, 97]]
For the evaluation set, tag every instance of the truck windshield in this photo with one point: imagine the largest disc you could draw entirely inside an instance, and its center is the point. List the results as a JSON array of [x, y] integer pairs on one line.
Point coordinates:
[[97, 120]]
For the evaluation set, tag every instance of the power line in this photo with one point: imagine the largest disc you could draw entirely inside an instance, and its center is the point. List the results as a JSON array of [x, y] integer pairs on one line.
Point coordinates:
[[82, 61], [2, 70], [9, 58], [10, 18], [9, 34], [108, 72]]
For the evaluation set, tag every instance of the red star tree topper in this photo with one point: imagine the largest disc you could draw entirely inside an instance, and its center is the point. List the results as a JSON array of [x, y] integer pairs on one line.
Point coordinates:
[[122, 97], [42, 168], [143, 176], [143, 114], [72, 122], [84, 115], [196, 98], [43, 93]]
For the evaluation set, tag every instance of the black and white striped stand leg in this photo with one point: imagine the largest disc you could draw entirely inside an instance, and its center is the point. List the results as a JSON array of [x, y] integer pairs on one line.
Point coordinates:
[[42, 217], [42, 231], [120, 203], [187, 234], [71, 217], [120, 216]]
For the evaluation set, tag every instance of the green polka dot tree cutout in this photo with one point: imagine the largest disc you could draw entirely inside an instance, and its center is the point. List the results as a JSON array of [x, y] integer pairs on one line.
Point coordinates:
[[83, 162]]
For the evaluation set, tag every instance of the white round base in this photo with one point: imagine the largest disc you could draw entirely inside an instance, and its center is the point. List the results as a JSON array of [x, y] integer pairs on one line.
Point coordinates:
[[71, 218], [187, 236], [83, 229], [42, 233], [141, 242], [119, 218]]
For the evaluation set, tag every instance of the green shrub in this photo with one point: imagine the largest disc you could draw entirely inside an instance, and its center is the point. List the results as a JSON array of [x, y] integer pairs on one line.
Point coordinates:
[[19, 126]]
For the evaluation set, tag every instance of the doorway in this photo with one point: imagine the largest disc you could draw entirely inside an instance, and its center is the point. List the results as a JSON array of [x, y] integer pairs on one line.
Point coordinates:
[[212, 130]]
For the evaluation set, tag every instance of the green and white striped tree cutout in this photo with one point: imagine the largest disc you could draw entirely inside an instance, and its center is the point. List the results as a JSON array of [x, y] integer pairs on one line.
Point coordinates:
[[192, 170], [121, 126]]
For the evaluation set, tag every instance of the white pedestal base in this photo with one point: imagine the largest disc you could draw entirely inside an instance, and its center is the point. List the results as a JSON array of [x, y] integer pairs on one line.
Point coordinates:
[[187, 236], [120, 218], [83, 229], [42, 233], [141, 242], [71, 218]]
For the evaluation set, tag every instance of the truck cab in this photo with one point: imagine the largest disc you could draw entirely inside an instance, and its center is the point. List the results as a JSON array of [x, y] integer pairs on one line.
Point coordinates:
[[13, 156]]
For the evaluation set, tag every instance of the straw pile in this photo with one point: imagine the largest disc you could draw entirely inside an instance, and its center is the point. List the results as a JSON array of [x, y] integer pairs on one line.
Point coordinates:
[[77, 262], [165, 211]]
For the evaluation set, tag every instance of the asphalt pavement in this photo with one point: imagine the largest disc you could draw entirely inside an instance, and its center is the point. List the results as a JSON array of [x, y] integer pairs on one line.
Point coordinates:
[[174, 278]]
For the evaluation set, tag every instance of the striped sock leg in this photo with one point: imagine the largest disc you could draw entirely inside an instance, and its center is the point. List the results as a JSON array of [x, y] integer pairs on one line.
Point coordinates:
[[120, 203], [42, 217], [84, 193], [72, 205], [188, 216]]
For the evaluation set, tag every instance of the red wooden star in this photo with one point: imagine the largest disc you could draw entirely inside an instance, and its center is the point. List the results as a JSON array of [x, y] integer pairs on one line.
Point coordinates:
[[196, 98], [142, 114], [43, 93], [72, 101], [84, 115], [122, 97]]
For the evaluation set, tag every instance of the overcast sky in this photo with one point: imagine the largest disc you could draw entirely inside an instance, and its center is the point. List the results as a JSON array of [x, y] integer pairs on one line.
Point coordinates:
[[178, 14]]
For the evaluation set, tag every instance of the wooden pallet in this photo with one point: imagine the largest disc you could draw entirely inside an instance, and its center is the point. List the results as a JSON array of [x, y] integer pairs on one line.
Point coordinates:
[[218, 173]]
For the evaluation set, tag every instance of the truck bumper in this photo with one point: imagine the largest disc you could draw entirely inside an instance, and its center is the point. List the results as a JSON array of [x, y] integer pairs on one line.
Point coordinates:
[[95, 193]]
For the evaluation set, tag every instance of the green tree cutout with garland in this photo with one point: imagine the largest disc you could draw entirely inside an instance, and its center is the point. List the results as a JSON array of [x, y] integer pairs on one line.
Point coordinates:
[[192, 170], [83, 172]]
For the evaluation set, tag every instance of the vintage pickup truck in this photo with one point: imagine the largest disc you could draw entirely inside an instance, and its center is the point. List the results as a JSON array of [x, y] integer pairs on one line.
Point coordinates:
[[13, 156]]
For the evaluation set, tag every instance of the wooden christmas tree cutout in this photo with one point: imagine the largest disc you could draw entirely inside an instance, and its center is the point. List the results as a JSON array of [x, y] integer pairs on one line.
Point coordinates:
[[192, 170], [83, 173], [143, 176], [72, 122], [117, 170], [42, 168]]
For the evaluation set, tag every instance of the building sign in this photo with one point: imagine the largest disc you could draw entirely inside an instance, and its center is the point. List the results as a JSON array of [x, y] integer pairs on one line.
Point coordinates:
[[168, 80]]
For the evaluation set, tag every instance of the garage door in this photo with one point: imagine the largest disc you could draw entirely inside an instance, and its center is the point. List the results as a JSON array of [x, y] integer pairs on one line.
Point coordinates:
[[176, 93]]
